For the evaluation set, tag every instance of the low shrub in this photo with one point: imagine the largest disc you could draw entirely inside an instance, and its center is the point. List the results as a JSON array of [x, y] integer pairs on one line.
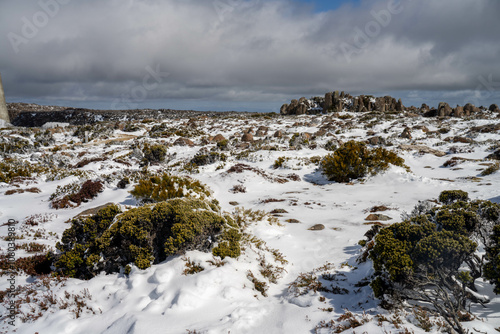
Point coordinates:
[[154, 153], [450, 196], [33, 265], [87, 191], [10, 169], [280, 162], [144, 236], [353, 160], [209, 158], [491, 169], [163, 187], [432, 255]]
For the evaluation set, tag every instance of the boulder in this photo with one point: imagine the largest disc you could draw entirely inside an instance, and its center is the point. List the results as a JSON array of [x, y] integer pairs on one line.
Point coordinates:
[[422, 149], [284, 109], [328, 102], [218, 138], [458, 112], [247, 137], [431, 113], [377, 140], [317, 227], [399, 105], [406, 133], [444, 109], [494, 108], [470, 109], [278, 134], [183, 142]]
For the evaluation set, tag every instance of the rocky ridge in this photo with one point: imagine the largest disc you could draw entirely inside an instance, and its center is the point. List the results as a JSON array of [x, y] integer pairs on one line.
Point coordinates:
[[340, 101]]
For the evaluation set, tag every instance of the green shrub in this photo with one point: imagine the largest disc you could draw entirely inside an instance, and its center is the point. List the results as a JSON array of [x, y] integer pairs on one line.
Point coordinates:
[[280, 162], [207, 159], [223, 144], [10, 169], [144, 235], [424, 257], [491, 169], [16, 145], [450, 196], [154, 153], [165, 186], [492, 266], [353, 160]]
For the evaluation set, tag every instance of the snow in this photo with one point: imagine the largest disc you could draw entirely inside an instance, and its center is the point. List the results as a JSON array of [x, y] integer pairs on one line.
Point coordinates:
[[222, 299]]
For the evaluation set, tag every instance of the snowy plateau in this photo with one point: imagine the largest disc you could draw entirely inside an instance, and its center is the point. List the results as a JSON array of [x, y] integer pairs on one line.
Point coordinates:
[[300, 267]]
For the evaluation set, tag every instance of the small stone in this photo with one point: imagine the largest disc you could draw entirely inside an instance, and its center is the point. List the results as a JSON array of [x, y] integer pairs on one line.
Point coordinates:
[[374, 217], [317, 227]]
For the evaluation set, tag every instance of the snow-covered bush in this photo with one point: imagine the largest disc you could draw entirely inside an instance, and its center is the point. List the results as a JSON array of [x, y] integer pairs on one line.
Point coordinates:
[[163, 187], [145, 235], [432, 257]]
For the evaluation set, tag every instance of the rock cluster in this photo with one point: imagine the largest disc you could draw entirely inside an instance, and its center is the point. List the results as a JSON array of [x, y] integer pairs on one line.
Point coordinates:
[[337, 102]]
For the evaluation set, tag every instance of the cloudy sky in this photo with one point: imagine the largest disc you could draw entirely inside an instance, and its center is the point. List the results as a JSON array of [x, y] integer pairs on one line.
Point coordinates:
[[247, 54]]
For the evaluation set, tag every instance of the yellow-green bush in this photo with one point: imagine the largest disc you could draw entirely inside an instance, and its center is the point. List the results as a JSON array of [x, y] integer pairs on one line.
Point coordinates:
[[144, 236], [353, 160], [163, 187]]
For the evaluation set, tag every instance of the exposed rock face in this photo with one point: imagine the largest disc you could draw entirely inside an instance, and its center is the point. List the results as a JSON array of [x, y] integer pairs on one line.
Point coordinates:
[[4, 114], [458, 111], [444, 109], [399, 105], [470, 109], [299, 107], [336, 102], [494, 108], [328, 102]]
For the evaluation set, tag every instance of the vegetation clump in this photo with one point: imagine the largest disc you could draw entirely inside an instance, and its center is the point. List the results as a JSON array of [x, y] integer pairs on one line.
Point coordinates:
[[163, 187], [154, 154], [10, 169], [209, 158], [431, 256], [143, 236], [353, 160], [450, 196], [87, 191]]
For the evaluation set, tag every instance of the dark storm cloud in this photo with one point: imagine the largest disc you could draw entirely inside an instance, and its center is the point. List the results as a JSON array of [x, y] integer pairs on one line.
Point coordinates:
[[244, 50]]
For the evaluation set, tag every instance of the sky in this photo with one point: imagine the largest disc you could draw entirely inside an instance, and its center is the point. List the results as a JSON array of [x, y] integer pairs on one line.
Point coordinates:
[[250, 55]]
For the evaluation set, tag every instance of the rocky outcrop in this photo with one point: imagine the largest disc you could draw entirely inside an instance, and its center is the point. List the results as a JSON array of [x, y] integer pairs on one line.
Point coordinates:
[[444, 109], [339, 101], [494, 108], [299, 107]]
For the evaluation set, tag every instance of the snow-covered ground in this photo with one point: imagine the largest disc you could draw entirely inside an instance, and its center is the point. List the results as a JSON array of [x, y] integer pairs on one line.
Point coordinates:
[[222, 299]]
